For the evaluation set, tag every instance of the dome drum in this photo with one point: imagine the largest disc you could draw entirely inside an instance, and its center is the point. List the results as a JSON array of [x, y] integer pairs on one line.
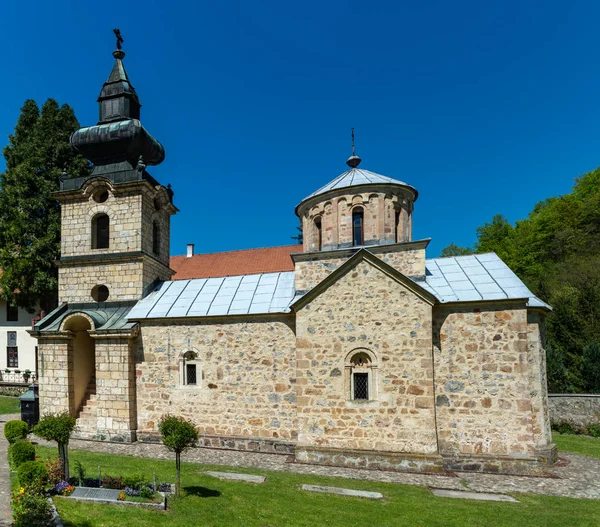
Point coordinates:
[[346, 219]]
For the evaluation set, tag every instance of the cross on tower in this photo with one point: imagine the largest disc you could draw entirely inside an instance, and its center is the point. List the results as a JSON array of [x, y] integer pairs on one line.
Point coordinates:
[[120, 40]]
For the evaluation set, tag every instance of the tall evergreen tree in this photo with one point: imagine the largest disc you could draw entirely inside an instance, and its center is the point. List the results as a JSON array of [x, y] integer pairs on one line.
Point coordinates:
[[37, 153]]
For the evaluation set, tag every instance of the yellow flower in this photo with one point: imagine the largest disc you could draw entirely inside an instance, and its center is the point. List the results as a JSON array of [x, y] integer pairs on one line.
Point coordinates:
[[22, 490]]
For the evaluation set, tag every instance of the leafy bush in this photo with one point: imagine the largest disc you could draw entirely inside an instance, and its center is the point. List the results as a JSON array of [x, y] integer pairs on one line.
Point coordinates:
[[13, 391], [111, 482], [594, 430], [15, 430], [20, 452], [134, 481], [178, 434], [54, 469], [146, 492], [58, 428], [564, 427], [31, 508], [32, 473]]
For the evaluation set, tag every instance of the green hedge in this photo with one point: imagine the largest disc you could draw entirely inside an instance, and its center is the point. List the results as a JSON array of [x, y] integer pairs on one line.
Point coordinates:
[[21, 452], [32, 473], [15, 430]]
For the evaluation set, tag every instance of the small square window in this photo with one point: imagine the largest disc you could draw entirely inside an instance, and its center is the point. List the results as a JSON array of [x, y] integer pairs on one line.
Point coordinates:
[[12, 313]]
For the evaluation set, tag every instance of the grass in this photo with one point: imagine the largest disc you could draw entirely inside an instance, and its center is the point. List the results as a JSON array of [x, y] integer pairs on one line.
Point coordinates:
[[9, 405], [279, 502], [583, 445]]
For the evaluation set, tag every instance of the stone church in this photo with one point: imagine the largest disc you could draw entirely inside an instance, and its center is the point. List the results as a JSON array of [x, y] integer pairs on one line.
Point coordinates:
[[351, 349]]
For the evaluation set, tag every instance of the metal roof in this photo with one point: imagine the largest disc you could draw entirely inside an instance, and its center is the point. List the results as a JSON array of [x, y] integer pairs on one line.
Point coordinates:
[[107, 316], [355, 177], [475, 277], [456, 279], [232, 295]]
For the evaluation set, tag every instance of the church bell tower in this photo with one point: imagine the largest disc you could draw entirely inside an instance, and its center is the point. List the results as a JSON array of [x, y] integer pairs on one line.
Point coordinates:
[[115, 223], [114, 246]]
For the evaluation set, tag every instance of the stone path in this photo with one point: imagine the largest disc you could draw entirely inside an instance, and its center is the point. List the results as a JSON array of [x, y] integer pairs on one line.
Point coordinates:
[[574, 476], [5, 512]]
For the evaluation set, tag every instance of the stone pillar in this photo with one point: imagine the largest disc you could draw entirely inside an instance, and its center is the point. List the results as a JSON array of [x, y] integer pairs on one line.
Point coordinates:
[[56, 386], [115, 388], [539, 388]]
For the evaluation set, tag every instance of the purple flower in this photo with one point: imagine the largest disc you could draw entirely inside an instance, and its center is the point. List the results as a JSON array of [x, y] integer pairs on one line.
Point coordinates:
[[61, 486], [131, 492]]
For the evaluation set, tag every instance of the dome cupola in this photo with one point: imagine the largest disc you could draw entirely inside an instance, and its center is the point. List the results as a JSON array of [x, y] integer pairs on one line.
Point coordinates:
[[357, 208]]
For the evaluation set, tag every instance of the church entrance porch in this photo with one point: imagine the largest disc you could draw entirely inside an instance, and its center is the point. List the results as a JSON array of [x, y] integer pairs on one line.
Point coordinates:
[[87, 369]]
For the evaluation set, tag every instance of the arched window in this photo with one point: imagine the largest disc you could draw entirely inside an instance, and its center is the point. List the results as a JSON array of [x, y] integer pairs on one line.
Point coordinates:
[[397, 225], [190, 369], [360, 380], [100, 232], [358, 227], [155, 238], [318, 233]]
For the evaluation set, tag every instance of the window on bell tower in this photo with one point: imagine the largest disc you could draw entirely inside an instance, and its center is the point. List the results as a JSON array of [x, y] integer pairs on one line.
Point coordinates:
[[155, 238], [100, 232]]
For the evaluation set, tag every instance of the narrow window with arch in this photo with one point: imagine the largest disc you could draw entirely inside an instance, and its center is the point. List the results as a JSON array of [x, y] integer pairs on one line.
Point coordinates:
[[155, 238], [318, 233], [100, 232], [358, 220], [397, 225], [190, 369], [361, 381]]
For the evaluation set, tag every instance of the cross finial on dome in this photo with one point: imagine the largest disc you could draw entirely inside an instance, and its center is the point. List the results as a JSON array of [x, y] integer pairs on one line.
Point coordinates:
[[353, 160]]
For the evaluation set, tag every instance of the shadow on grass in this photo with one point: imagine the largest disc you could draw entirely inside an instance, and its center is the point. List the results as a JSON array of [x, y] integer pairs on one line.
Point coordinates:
[[201, 492]]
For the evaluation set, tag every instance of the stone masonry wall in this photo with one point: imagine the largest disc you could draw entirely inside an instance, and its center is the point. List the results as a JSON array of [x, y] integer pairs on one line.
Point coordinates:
[[123, 279], [126, 280], [484, 382], [366, 309], [309, 273], [124, 212], [580, 410], [56, 387], [115, 390], [246, 372]]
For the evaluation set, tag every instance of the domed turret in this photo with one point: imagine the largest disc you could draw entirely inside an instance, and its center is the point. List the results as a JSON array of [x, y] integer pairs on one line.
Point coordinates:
[[358, 208]]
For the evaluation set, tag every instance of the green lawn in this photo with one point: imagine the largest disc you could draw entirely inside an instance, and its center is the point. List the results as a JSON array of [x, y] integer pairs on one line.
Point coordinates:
[[9, 405], [280, 502], [586, 446]]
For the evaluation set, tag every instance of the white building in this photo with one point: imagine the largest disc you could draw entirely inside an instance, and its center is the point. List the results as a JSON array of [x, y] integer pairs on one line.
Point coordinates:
[[18, 349]]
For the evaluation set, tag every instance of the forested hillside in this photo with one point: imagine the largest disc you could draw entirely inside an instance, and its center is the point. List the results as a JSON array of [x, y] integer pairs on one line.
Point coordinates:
[[556, 252]]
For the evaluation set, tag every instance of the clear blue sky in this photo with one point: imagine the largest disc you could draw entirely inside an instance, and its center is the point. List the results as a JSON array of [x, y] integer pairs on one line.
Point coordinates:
[[484, 107]]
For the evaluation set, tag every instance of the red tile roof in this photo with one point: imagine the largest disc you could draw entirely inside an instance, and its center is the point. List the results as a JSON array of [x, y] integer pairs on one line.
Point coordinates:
[[249, 261]]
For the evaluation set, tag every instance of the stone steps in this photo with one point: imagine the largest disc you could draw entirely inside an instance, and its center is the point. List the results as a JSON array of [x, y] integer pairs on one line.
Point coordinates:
[[87, 413]]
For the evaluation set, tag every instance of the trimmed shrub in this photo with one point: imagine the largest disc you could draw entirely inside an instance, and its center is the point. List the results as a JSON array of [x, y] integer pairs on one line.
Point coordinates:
[[111, 482], [564, 427], [15, 430], [30, 508], [20, 452], [134, 481], [594, 430], [32, 473]]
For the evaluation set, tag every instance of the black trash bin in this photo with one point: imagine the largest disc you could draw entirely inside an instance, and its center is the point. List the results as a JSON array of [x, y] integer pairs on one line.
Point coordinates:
[[30, 405]]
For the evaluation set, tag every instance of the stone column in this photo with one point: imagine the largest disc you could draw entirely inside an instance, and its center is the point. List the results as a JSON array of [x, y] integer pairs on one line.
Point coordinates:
[[56, 386], [115, 388]]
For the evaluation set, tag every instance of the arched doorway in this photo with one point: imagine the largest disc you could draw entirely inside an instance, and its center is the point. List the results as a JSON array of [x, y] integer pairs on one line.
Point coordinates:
[[84, 359]]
